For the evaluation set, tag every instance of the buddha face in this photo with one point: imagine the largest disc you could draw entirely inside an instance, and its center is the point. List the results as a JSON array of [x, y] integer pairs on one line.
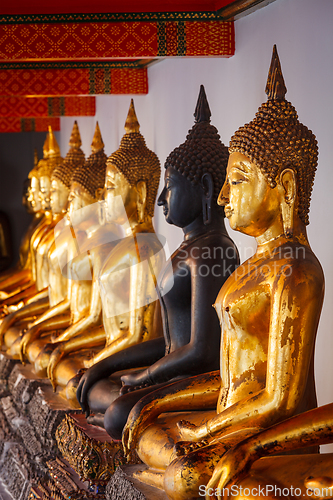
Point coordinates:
[[58, 196], [120, 197], [181, 201], [33, 195], [44, 192], [78, 199], [251, 205], [26, 198]]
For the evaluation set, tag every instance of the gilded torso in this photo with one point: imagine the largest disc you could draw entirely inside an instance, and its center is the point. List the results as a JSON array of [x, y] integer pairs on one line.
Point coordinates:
[[245, 309]]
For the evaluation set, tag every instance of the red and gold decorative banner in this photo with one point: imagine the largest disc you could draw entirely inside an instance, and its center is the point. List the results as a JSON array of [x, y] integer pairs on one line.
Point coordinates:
[[114, 40], [72, 81], [12, 124], [28, 107]]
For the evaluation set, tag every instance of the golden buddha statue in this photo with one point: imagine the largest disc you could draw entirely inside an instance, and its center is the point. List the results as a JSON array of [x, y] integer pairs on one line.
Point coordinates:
[[60, 189], [128, 276], [45, 171], [35, 210], [23, 283], [30, 199], [60, 184], [279, 476], [74, 307], [269, 308], [42, 244]]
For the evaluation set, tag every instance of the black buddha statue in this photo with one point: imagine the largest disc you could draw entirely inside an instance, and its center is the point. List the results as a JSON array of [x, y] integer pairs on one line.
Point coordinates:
[[195, 173]]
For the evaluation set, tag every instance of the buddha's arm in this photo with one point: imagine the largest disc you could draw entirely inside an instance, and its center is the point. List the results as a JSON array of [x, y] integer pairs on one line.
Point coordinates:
[[28, 297], [63, 306], [313, 427], [33, 333], [123, 341], [43, 294], [193, 393], [132, 357], [5, 295], [296, 302], [142, 302], [143, 296], [202, 353], [26, 311], [16, 278], [92, 338], [28, 294], [94, 312], [56, 310], [23, 292]]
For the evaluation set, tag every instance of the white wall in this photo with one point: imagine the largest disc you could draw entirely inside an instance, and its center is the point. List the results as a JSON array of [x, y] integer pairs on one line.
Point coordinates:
[[302, 30]]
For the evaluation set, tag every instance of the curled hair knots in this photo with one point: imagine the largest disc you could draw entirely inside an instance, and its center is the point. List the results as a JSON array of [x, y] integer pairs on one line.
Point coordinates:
[[275, 140], [202, 152], [138, 163], [91, 175]]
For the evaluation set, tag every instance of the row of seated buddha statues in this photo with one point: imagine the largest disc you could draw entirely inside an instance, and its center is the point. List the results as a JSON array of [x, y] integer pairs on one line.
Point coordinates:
[[269, 310], [43, 289], [199, 393], [109, 303], [21, 284]]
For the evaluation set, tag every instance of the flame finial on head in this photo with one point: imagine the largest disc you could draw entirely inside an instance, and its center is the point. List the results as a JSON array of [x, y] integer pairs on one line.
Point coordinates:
[[202, 111], [97, 142], [132, 124], [202, 152], [46, 147], [75, 139], [91, 175], [275, 87], [54, 150], [35, 157], [74, 159], [275, 140]]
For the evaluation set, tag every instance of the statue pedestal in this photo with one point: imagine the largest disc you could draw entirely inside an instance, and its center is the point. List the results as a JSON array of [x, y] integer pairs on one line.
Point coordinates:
[[89, 450], [123, 486], [29, 416], [36, 426]]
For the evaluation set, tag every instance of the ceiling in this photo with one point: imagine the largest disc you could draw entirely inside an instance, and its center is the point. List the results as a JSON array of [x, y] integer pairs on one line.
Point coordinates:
[[87, 6]]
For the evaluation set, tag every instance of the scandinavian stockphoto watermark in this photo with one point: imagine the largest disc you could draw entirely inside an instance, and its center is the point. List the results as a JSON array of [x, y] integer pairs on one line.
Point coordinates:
[[267, 490], [217, 262], [88, 233]]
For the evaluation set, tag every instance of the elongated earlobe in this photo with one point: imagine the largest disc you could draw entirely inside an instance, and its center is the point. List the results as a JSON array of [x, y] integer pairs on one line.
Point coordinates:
[[142, 199], [208, 187], [288, 183]]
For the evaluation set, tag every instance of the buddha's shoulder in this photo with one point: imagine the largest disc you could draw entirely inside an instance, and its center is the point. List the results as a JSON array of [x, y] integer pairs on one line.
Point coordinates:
[[134, 249], [297, 263], [295, 254], [215, 239]]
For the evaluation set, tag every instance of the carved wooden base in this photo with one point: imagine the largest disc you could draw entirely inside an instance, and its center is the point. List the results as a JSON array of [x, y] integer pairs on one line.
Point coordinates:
[[89, 450], [37, 425], [28, 421], [123, 486], [62, 483]]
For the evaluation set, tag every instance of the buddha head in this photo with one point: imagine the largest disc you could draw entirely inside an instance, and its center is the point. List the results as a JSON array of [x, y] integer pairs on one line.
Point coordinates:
[[132, 177], [32, 183], [272, 165], [27, 200], [62, 174], [195, 172], [87, 180], [51, 160]]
